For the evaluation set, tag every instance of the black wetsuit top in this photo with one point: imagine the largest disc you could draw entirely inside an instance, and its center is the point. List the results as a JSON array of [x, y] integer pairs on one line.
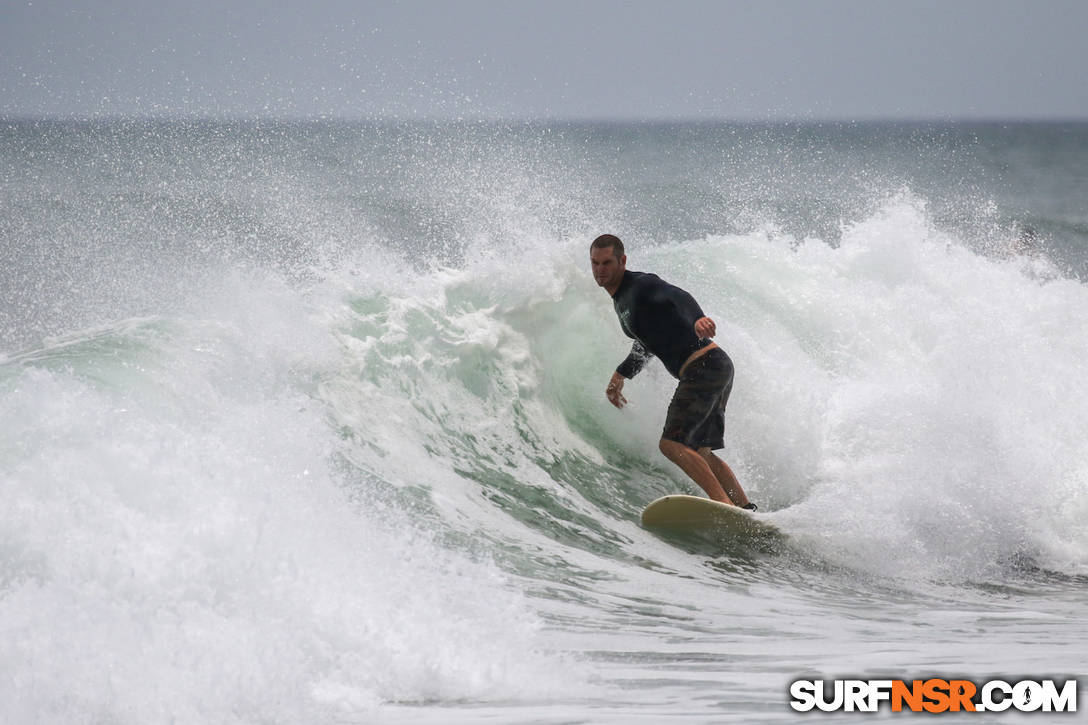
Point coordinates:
[[661, 320]]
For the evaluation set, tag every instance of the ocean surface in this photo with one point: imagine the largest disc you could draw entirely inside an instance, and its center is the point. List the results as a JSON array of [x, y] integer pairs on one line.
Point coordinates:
[[305, 422]]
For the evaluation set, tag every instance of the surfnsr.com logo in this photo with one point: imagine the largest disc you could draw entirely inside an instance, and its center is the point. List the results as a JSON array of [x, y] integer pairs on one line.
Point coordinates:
[[933, 695]]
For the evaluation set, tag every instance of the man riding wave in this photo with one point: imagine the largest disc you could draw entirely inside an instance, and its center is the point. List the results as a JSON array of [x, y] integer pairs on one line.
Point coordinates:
[[666, 322]]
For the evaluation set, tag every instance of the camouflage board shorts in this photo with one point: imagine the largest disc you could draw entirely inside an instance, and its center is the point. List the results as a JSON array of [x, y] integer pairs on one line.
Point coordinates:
[[696, 414]]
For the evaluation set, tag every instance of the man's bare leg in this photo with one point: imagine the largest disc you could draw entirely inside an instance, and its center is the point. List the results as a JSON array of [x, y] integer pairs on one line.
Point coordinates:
[[699, 469], [725, 476]]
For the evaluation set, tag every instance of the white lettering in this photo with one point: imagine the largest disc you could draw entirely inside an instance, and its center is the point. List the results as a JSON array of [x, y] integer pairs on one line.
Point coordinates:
[[856, 695], [988, 701], [803, 693], [1064, 701], [1027, 696], [880, 691], [836, 702]]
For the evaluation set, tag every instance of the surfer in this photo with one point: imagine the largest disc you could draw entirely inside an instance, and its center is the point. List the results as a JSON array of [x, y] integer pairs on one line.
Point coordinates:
[[666, 322]]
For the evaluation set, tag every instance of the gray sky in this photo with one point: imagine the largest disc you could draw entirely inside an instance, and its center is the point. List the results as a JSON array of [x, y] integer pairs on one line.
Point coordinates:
[[837, 59]]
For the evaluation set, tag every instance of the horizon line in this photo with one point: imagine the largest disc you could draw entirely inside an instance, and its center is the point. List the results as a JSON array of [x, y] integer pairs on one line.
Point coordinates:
[[537, 120]]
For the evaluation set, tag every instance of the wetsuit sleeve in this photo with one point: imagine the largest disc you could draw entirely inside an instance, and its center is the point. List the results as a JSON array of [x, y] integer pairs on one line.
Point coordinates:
[[634, 362], [686, 305]]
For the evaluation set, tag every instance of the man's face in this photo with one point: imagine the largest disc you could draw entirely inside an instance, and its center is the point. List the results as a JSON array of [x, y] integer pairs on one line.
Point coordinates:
[[607, 270]]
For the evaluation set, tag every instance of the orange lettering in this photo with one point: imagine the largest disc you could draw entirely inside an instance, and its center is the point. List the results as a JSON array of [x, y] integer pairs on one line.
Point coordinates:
[[961, 692], [936, 691], [912, 695]]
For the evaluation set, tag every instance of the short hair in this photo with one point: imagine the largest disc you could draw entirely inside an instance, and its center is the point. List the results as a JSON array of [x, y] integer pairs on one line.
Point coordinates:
[[609, 241]]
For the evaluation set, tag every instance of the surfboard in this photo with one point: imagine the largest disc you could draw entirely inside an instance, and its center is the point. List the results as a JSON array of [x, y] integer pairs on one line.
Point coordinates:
[[695, 513]]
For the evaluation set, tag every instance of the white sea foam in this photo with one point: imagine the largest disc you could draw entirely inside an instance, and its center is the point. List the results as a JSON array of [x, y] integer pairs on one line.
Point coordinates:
[[318, 425], [907, 404], [178, 543], [916, 407], [207, 517]]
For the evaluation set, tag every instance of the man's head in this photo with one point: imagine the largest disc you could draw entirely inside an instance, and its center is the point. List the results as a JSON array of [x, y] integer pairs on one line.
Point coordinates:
[[608, 261]]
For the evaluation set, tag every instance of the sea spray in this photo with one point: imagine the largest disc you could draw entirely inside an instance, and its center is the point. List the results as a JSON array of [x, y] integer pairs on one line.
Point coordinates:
[[306, 422], [179, 542]]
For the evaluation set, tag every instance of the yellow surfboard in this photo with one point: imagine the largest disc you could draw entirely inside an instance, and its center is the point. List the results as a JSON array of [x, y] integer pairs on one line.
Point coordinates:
[[680, 511]]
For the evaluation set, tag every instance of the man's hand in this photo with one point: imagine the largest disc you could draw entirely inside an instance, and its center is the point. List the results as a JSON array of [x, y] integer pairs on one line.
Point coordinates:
[[614, 391], [704, 327]]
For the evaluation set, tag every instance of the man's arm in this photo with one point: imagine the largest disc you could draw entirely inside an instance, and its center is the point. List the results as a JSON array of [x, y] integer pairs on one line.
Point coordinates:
[[687, 308], [629, 368], [635, 361]]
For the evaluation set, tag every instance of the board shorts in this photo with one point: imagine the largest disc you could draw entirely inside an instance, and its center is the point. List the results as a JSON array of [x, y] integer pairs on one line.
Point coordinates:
[[696, 414]]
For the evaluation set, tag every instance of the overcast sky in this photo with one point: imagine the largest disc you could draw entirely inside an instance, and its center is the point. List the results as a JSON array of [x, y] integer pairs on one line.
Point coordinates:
[[558, 59]]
